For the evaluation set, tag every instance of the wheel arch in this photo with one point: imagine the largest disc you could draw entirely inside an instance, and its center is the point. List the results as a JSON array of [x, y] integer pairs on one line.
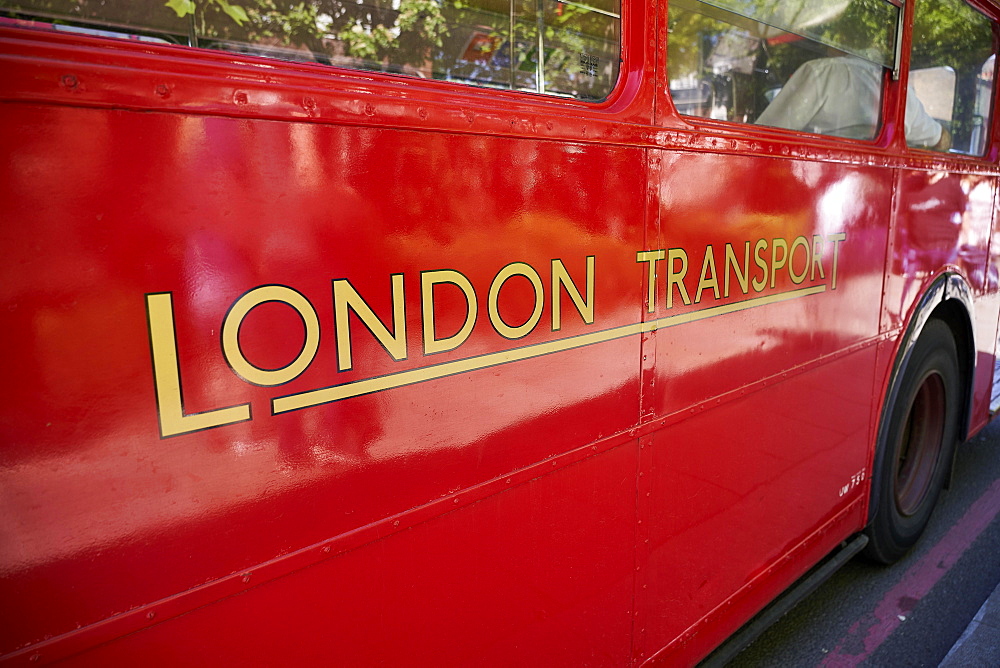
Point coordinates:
[[948, 299]]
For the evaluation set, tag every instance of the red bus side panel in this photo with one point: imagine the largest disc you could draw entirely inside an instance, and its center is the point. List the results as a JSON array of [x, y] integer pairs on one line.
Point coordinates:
[[124, 226]]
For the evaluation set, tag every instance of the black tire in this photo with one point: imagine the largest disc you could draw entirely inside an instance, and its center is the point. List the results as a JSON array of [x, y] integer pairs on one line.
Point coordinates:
[[915, 454]]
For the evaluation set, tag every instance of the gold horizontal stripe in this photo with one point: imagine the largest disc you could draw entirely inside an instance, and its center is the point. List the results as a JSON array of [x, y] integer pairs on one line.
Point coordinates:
[[356, 388]]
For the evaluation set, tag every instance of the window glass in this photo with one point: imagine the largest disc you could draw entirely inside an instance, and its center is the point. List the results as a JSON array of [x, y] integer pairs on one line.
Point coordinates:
[[952, 74], [864, 28], [559, 47], [800, 65]]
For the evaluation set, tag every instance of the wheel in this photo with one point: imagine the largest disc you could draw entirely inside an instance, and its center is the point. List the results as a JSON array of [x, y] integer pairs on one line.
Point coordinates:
[[914, 456]]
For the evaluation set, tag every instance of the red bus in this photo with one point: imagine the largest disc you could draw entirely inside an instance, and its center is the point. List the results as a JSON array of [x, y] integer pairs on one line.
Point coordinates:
[[478, 332]]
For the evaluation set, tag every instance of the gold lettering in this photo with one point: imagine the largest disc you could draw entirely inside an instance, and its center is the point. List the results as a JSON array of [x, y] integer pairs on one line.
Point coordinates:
[[677, 278], [743, 277], [650, 257], [167, 376], [231, 329], [803, 243], [561, 277], [835, 239], [759, 284], [515, 269], [708, 277], [817, 260], [428, 280], [776, 262], [347, 299]]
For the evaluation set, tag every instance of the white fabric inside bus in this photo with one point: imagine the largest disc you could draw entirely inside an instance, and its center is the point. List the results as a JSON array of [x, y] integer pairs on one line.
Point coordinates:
[[841, 97]]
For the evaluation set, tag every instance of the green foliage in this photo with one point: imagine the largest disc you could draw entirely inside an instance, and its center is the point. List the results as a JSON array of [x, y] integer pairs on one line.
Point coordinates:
[[182, 7], [948, 32], [192, 7], [401, 35], [374, 30]]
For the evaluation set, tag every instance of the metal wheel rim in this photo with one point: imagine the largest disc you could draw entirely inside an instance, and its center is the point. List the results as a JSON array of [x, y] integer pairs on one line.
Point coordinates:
[[920, 444]]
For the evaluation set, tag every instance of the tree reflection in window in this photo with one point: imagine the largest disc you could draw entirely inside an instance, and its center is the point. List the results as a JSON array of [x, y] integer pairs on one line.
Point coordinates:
[[560, 47]]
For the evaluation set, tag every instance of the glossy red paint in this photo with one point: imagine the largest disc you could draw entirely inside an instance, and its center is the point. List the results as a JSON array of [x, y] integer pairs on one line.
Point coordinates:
[[633, 496]]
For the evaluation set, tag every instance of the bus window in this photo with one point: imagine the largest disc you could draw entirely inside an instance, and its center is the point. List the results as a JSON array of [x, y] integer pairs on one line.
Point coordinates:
[[799, 66], [952, 62], [556, 47]]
